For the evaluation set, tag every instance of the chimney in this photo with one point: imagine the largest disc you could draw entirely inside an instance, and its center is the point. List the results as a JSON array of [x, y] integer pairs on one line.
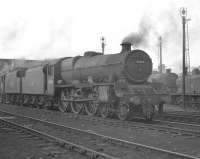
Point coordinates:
[[126, 47], [168, 70]]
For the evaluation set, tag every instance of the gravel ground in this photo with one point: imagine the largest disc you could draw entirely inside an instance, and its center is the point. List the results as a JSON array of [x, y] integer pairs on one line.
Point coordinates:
[[15, 146], [174, 142], [92, 142], [12, 146], [21, 146]]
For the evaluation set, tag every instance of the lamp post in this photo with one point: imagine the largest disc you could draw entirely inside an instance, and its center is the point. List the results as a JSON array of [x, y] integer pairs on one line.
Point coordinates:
[[183, 12]]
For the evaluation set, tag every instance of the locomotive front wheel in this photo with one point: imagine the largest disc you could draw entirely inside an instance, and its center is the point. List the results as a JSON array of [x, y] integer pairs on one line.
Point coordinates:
[[41, 102], [12, 99], [48, 104], [148, 112], [35, 103], [7, 101], [63, 106], [18, 100], [91, 109], [77, 107], [26, 100], [123, 111], [104, 110]]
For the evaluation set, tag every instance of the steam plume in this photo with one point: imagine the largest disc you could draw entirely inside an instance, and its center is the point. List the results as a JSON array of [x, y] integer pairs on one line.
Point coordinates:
[[140, 38]]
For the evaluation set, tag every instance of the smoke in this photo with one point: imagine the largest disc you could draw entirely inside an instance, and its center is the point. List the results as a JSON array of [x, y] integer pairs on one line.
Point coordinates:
[[140, 38], [5, 65], [59, 41], [10, 35], [166, 24], [35, 40], [170, 28]]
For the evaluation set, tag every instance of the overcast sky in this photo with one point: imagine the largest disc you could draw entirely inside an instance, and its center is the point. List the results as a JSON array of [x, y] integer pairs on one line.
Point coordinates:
[[38, 29]]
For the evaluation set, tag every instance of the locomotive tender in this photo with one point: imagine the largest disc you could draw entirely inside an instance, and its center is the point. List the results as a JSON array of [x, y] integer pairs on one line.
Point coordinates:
[[93, 83]]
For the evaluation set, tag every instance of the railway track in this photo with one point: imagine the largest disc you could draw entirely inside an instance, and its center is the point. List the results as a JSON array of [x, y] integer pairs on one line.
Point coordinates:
[[165, 126], [181, 125], [184, 113], [193, 118], [53, 142], [94, 143], [158, 125]]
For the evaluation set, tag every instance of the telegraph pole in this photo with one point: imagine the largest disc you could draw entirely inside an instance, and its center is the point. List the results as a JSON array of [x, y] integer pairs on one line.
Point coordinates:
[[160, 51], [103, 44], [183, 15]]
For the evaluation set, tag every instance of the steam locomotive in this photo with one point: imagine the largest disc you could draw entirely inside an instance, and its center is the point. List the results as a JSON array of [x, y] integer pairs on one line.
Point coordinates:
[[172, 85], [168, 79], [112, 84]]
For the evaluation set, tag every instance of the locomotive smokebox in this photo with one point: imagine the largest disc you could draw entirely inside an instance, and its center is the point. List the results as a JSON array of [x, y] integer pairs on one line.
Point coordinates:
[[126, 47]]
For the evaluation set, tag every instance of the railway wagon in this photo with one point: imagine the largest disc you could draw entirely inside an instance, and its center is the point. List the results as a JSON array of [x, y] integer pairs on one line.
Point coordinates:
[[113, 84]]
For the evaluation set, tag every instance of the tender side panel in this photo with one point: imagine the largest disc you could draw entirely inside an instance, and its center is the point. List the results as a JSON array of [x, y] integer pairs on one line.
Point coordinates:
[[12, 83], [33, 82]]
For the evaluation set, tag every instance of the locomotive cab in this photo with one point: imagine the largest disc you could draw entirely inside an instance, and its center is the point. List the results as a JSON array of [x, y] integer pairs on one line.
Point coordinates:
[[48, 70]]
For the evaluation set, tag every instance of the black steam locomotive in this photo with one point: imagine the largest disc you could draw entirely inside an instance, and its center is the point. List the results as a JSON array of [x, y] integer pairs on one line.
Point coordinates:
[[112, 84], [171, 84]]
